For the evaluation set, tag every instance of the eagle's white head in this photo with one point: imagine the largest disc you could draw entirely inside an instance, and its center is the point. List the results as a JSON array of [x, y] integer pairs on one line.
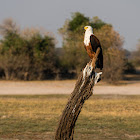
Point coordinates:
[[88, 33], [88, 29]]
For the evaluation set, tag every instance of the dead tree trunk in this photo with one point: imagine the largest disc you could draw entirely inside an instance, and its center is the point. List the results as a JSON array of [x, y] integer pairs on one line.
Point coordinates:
[[82, 91]]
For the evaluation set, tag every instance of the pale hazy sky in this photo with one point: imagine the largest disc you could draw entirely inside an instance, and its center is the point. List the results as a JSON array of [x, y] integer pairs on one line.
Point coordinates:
[[124, 15]]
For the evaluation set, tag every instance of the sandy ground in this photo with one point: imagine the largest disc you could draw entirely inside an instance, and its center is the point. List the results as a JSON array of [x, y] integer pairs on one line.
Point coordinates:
[[64, 87]]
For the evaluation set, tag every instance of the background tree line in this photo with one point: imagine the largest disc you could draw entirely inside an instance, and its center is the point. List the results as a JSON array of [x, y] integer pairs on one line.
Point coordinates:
[[26, 54], [30, 54]]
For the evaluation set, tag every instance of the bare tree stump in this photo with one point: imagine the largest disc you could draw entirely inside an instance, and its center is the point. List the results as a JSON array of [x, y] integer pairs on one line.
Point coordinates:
[[82, 91]]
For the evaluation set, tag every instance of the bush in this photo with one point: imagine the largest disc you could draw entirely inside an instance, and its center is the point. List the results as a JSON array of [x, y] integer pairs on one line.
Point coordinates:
[[135, 58], [26, 57]]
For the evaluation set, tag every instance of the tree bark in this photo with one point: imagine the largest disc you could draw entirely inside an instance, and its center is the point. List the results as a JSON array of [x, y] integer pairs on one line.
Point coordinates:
[[82, 91]]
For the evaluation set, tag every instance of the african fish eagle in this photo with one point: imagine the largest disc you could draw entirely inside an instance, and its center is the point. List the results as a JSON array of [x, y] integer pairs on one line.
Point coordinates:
[[91, 43]]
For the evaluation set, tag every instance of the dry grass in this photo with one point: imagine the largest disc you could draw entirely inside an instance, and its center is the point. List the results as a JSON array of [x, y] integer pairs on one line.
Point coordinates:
[[103, 117]]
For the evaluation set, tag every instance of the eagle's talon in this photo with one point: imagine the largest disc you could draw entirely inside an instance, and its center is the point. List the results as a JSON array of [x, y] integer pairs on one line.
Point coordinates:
[[97, 77]]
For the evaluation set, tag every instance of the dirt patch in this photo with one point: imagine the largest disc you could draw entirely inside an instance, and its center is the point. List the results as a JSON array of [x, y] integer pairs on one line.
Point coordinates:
[[63, 87]]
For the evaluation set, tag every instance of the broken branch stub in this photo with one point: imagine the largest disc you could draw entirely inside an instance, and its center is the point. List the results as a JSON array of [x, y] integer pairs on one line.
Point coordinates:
[[82, 91]]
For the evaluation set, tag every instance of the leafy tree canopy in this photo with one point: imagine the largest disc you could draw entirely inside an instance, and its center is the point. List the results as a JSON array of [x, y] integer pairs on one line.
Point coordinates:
[[77, 21]]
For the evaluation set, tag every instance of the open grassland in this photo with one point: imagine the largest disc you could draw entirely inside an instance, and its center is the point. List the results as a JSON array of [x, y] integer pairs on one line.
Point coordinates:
[[103, 117]]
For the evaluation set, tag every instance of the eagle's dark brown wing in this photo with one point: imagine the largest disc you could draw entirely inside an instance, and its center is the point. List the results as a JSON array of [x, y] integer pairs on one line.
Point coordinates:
[[95, 43]]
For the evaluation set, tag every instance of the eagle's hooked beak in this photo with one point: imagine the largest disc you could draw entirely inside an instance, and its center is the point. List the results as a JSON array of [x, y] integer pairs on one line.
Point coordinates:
[[85, 27]]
